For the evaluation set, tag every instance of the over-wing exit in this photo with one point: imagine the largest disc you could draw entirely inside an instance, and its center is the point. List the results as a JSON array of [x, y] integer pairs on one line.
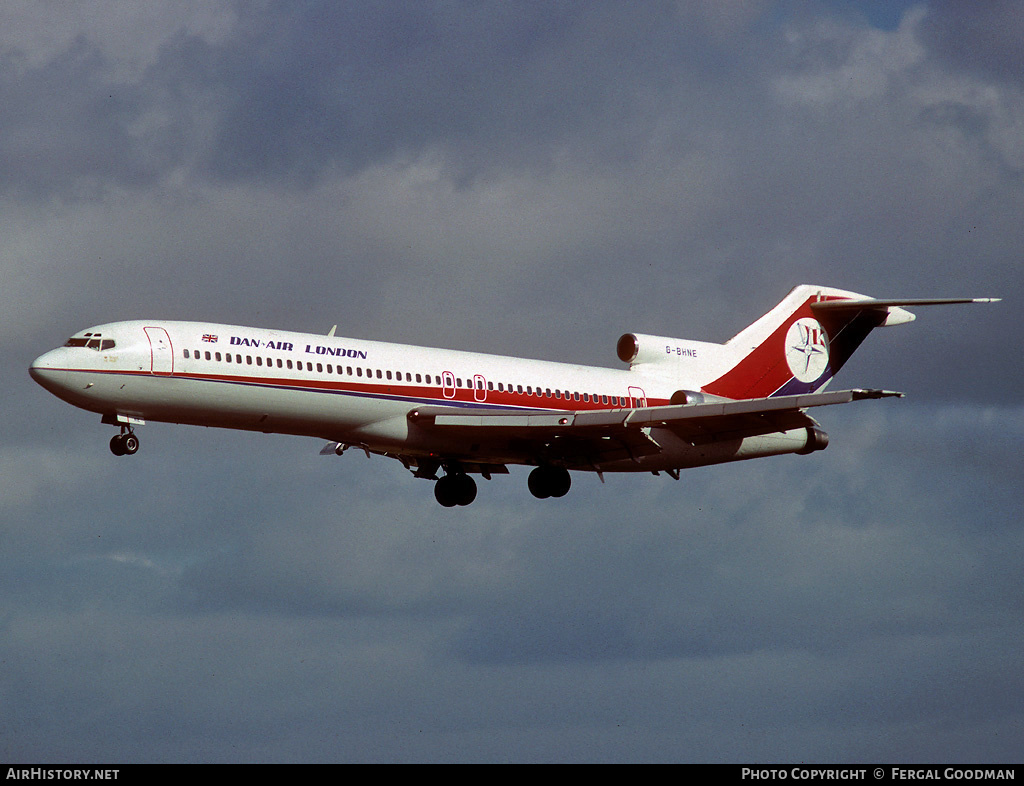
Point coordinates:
[[449, 415]]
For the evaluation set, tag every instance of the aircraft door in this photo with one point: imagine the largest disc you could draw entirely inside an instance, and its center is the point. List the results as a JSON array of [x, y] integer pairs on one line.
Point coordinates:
[[161, 353], [637, 397], [448, 384], [479, 388]]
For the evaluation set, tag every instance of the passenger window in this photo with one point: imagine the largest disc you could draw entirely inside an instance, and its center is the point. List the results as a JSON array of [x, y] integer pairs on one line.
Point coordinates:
[[217, 356], [319, 368], [186, 353], [207, 354], [279, 364], [227, 357], [248, 360]]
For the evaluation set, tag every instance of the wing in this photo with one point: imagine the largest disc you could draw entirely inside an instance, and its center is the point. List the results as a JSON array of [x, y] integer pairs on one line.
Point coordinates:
[[589, 437]]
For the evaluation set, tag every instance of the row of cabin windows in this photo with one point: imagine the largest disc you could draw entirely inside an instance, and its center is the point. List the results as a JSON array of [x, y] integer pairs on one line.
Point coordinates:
[[227, 357], [357, 371]]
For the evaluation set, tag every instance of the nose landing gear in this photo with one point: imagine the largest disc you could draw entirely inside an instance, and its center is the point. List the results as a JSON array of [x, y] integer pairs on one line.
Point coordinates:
[[125, 443]]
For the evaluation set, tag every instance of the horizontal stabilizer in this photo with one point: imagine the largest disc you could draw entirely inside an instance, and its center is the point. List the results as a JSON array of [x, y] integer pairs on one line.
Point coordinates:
[[868, 303], [893, 309]]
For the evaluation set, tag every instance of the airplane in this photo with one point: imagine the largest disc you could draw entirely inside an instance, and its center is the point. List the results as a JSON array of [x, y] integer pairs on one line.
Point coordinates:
[[680, 403]]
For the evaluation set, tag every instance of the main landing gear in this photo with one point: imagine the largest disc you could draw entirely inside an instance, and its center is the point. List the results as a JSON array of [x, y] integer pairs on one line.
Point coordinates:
[[547, 481], [454, 489], [125, 443], [458, 488]]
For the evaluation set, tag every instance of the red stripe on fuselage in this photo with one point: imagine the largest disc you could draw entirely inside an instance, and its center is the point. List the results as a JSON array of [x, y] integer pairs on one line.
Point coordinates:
[[416, 394]]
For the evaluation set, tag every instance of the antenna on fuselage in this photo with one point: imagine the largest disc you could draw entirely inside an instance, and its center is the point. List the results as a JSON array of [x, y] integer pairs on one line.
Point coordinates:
[[330, 333]]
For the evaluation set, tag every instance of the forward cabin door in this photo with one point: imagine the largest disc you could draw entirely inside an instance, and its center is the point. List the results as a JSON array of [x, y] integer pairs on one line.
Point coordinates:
[[160, 352]]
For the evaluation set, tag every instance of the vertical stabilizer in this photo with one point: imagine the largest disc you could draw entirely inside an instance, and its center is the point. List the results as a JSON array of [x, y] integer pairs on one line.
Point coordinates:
[[799, 345]]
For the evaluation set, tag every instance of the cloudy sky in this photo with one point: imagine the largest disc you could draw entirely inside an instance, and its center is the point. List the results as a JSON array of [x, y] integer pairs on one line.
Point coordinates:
[[528, 178]]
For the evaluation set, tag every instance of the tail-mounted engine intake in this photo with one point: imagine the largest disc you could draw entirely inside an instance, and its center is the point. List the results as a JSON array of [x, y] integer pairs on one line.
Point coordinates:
[[816, 440], [692, 397], [637, 348]]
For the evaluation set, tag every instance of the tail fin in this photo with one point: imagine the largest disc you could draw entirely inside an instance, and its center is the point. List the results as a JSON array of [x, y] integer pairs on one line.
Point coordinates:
[[799, 345]]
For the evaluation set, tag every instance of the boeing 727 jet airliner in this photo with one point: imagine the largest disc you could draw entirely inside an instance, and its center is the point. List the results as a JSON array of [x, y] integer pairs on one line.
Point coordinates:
[[680, 404]]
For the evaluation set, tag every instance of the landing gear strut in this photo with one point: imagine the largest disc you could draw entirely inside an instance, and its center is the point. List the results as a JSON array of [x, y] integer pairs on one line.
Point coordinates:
[[547, 481], [125, 443], [455, 489]]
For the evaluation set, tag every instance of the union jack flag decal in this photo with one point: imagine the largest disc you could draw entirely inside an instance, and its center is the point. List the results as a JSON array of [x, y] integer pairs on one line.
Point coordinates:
[[210, 338]]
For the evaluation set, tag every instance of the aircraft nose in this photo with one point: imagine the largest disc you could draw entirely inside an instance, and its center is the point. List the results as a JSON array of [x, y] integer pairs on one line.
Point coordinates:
[[46, 370]]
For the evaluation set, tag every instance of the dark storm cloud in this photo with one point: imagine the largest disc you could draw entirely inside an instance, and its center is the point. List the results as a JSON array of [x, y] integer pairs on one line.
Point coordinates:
[[316, 86], [857, 590], [300, 90], [65, 126], [981, 37]]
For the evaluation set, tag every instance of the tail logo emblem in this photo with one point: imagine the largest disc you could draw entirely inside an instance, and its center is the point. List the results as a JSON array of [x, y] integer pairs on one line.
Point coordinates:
[[807, 349]]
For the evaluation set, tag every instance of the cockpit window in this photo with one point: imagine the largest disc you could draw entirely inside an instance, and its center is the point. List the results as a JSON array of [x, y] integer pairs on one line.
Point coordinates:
[[91, 341]]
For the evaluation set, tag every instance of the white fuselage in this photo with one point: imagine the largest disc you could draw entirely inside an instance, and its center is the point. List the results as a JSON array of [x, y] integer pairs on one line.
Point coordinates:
[[358, 392]]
